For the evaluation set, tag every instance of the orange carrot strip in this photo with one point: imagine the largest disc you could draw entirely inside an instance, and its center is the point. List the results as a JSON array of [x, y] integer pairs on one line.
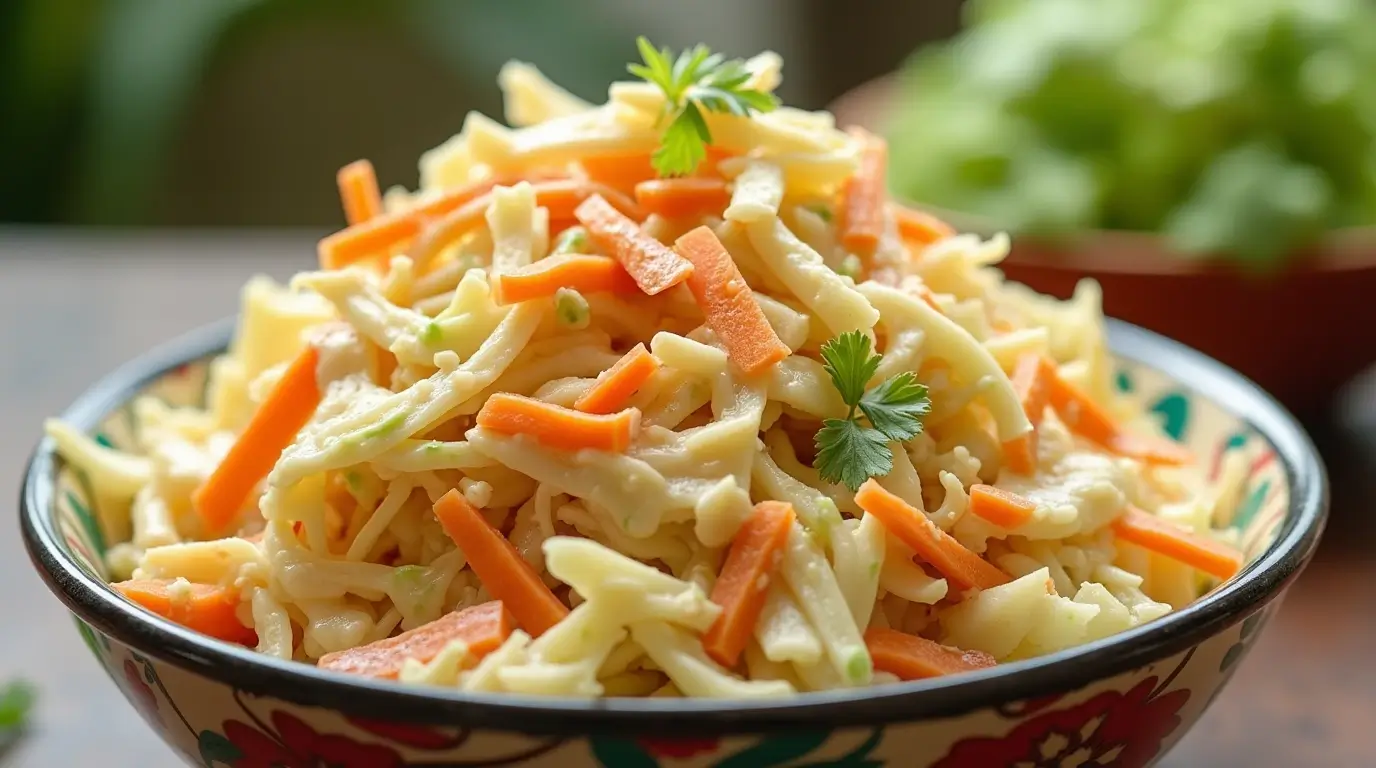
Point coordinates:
[[457, 213], [1030, 383], [1164, 538], [626, 169], [740, 589], [864, 197], [616, 384], [482, 628], [273, 426], [383, 233], [655, 268], [1003, 508], [358, 191], [963, 568], [506, 575], [728, 303], [582, 272], [559, 427], [560, 197], [676, 198], [1088, 419], [620, 170], [909, 657], [920, 226], [205, 608]]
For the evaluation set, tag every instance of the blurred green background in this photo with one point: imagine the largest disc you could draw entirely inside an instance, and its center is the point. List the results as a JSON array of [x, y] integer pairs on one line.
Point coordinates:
[[238, 112]]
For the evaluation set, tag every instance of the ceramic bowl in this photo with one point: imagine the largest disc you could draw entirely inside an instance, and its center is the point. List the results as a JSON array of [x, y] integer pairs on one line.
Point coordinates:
[[1121, 701]]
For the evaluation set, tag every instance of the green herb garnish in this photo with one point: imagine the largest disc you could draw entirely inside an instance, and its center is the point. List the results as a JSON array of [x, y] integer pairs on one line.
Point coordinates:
[[695, 80], [849, 451]]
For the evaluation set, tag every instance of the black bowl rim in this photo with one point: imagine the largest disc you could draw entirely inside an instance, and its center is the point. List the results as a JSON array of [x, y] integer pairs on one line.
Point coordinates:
[[95, 603]]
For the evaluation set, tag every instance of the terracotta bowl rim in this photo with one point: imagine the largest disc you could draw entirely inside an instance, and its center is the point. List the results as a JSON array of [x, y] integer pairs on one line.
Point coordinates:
[[95, 603]]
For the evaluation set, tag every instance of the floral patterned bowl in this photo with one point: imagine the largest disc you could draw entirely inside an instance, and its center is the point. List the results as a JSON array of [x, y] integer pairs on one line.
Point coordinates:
[[1122, 701]]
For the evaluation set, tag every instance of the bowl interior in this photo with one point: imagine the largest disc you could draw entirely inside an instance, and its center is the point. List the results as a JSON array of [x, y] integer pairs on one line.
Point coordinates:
[[1195, 400], [1184, 415]]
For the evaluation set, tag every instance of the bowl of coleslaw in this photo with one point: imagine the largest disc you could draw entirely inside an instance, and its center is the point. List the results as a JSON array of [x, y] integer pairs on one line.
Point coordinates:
[[652, 433]]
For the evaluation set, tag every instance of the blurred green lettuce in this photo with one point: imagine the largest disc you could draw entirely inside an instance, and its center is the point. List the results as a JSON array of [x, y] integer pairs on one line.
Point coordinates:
[[1239, 129]]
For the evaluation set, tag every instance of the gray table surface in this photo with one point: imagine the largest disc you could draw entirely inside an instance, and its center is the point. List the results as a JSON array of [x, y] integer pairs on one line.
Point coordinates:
[[74, 305]]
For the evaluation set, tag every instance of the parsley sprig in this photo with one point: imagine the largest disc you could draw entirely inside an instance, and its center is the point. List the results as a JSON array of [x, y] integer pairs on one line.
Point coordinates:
[[849, 451], [695, 80]]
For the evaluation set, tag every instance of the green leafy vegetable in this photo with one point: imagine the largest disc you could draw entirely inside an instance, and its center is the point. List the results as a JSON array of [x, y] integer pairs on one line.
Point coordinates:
[[1238, 129], [848, 451], [695, 80], [16, 703]]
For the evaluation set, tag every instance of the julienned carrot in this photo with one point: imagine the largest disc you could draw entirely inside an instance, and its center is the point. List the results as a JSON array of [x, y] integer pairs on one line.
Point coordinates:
[[358, 191], [655, 268], [1164, 538], [920, 227], [626, 169], [482, 628], [909, 657], [582, 272], [206, 608], [560, 198], [1003, 508], [744, 581], [1086, 418], [378, 235], [865, 197], [728, 303], [454, 214], [677, 198], [559, 427], [963, 568], [1030, 383], [616, 384], [506, 575], [286, 409]]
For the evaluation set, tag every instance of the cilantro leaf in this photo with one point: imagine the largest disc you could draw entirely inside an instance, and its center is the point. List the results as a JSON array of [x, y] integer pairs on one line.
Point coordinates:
[[896, 406], [848, 361], [850, 454], [849, 451], [695, 80], [683, 145]]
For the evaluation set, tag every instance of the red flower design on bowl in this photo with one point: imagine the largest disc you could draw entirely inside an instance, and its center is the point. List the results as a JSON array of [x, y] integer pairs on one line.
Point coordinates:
[[678, 749], [141, 693], [297, 745], [1118, 729]]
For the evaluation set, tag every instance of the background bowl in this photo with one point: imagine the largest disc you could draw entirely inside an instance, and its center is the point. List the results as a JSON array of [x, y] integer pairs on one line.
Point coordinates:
[[1122, 701], [1295, 333]]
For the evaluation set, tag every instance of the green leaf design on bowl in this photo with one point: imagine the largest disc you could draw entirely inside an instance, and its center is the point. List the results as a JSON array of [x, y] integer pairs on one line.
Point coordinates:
[[215, 748], [1174, 408]]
